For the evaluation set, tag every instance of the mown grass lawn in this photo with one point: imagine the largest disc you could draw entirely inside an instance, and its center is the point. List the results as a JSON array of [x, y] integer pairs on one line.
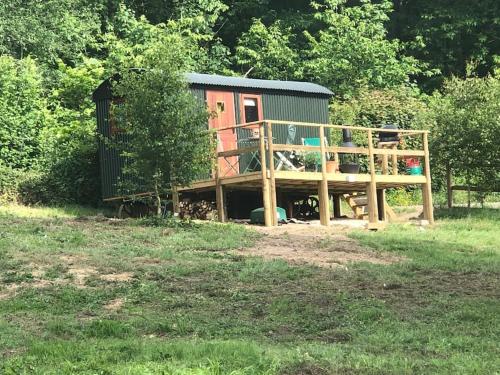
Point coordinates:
[[90, 295]]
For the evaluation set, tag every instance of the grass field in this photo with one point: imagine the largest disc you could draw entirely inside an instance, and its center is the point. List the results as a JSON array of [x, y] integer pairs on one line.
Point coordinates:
[[90, 295]]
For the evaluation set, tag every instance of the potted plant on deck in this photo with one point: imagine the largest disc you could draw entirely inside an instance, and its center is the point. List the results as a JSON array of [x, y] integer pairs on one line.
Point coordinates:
[[332, 165], [311, 161]]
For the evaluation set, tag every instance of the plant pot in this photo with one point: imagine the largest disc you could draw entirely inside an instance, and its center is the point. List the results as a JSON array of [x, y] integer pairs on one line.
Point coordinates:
[[332, 166], [415, 170], [350, 168]]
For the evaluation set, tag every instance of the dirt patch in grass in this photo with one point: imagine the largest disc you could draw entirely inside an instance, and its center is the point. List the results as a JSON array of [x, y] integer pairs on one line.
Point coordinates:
[[118, 277], [114, 305], [304, 368], [10, 290], [308, 244]]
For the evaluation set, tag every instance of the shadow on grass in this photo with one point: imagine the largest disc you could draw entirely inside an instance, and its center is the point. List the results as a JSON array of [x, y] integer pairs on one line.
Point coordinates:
[[49, 212]]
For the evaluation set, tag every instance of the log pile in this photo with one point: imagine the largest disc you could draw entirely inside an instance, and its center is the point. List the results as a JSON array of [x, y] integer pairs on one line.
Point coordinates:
[[203, 210]]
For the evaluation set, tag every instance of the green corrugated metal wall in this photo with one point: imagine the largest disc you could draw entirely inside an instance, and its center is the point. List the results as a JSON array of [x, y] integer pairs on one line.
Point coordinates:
[[109, 158], [275, 106], [294, 107]]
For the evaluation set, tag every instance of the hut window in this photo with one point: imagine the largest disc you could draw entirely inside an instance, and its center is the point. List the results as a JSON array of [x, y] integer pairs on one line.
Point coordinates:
[[251, 110], [220, 107]]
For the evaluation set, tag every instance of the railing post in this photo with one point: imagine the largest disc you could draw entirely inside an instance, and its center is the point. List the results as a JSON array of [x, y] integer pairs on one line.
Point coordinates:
[[426, 188], [324, 201], [272, 180], [268, 220], [394, 162], [372, 186], [219, 189]]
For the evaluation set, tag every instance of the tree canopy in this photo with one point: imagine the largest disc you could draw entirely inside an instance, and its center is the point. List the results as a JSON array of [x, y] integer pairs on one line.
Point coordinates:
[[166, 141]]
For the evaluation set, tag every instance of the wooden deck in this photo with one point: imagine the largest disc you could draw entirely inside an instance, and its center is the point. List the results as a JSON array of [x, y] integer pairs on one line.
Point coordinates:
[[382, 173]]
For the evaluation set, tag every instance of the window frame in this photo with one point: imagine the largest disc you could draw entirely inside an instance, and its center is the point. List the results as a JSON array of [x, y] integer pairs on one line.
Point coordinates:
[[258, 99]]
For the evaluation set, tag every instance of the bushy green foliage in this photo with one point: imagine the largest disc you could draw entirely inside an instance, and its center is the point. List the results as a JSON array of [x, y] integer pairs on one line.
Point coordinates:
[[449, 36], [403, 106], [352, 51], [129, 38], [166, 142], [48, 29], [266, 52], [9, 181], [22, 111], [73, 179], [467, 131]]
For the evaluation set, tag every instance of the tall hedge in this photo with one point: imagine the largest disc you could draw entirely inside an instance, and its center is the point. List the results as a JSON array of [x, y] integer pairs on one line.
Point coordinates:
[[22, 111]]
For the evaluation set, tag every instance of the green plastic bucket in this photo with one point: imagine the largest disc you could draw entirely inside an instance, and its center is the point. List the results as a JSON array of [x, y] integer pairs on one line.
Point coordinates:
[[257, 215]]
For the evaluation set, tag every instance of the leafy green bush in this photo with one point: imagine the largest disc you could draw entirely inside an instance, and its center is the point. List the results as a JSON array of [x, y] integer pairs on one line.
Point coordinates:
[[22, 111], [403, 106], [467, 130], [70, 180], [404, 197], [9, 181]]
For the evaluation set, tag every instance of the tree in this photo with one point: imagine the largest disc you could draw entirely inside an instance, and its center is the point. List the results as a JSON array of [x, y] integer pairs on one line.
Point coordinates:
[[166, 140], [352, 50], [128, 39], [48, 29], [448, 35], [467, 130], [22, 112], [266, 51], [68, 143]]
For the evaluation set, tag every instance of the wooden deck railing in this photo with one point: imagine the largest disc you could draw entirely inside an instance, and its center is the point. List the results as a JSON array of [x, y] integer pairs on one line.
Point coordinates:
[[266, 147]]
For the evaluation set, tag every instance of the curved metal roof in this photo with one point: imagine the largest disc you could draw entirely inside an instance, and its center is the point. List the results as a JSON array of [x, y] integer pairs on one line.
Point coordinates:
[[104, 89], [225, 81]]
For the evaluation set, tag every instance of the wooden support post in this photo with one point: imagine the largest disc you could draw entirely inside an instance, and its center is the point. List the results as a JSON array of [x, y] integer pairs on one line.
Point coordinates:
[[221, 204], [175, 200], [394, 161], [372, 185], [426, 188], [219, 192], [381, 204], [272, 180], [324, 198], [268, 221], [449, 183], [337, 210], [385, 164]]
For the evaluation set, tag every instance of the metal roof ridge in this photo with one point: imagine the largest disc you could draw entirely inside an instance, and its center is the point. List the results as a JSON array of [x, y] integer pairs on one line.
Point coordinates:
[[235, 81]]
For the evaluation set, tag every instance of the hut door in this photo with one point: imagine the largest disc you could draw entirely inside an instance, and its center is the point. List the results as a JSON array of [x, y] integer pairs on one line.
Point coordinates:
[[222, 104]]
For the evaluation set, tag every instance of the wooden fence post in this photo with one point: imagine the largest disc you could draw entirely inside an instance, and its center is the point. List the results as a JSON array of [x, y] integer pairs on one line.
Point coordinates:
[[449, 183], [426, 188], [272, 180], [268, 221], [324, 201], [372, 186]]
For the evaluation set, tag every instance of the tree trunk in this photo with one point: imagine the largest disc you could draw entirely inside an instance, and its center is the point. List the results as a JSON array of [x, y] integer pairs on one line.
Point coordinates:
[[449, 184], [158, 200], [468, 196]]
